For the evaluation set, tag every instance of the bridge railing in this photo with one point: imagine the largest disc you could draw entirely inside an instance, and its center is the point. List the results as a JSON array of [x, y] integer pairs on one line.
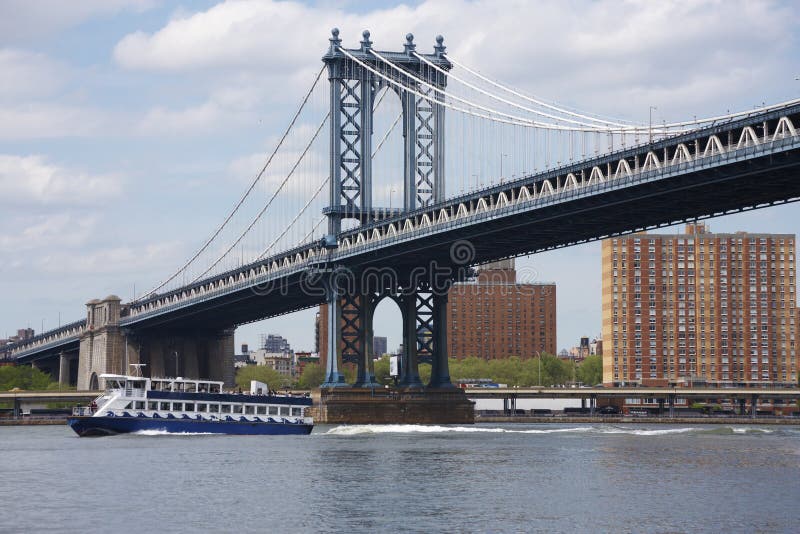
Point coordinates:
[[53, 338]]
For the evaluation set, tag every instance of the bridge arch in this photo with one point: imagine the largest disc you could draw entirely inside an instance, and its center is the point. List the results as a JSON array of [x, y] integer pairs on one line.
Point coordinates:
[[94, 383]]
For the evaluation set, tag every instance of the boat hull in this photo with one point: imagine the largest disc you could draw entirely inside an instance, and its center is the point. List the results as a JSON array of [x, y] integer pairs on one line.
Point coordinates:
[[109, 426]]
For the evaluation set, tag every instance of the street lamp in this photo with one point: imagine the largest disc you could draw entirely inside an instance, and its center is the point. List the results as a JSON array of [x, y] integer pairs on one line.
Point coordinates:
[[650, 131], [539, 355], [502, 157]]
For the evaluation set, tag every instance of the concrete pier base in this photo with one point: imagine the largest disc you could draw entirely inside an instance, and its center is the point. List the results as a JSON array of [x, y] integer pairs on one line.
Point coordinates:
[[358, 406]]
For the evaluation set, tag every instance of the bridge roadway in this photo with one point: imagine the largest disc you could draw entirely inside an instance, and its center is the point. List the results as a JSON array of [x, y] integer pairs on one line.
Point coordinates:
[[22, 401], [739, 165]]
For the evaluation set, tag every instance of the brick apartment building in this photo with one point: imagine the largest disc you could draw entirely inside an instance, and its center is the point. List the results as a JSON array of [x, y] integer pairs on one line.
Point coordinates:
[[496, 317], [699, 307]]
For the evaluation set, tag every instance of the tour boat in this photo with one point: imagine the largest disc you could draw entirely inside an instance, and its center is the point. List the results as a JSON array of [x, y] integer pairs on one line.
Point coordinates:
[[186, 405]]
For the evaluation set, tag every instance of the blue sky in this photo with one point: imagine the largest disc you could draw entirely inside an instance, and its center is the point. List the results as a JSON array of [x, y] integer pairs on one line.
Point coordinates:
[[124, 124]]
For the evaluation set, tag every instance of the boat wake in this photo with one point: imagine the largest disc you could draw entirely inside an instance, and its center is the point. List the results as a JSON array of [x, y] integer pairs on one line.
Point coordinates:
[[166, 433], [359, 430]]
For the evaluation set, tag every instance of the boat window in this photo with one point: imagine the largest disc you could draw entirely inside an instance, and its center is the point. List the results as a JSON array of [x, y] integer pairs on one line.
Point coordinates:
[[188, 407], [237, 408], [297, 411], [273, 410], [139, 405], [164, 406], [214, 408], [202, 407], [226, 408], [249, 409], [128, 406], [136, 384], [284, 410], [176, 406], [152, 405], [261, 410]]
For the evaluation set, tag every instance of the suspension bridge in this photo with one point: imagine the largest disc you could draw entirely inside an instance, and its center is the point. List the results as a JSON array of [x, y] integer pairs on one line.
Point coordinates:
[[398, 171]]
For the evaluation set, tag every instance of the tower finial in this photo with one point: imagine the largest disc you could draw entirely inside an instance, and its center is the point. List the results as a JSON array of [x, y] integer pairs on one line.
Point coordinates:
[[335, 41], [365, 43], [439, 48], [409, 44]]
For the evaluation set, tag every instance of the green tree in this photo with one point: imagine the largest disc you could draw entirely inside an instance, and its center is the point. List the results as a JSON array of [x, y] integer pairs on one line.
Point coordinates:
[[269, 376], [382, 370], [24, 377], [313, 375], [590, 371]]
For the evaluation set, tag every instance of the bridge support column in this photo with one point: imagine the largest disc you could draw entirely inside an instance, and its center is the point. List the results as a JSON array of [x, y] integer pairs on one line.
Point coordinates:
[[672, 405], [661, 407], [409, 365], [754, 406], [333, 377], [592, 404], [742, 408], [365, 376], [440, 368], [63, 369]]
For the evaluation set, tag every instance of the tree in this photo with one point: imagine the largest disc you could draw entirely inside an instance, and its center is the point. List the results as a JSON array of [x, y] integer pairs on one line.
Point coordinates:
[[269, 376], [590, 371], [313, 376], [382, 370], [24, 377]]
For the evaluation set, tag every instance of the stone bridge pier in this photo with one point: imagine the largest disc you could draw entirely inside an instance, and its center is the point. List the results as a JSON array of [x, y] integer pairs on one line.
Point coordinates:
[[107, 347]]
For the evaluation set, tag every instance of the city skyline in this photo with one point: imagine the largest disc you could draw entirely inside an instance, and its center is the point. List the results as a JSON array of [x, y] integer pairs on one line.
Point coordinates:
[[122, 146]]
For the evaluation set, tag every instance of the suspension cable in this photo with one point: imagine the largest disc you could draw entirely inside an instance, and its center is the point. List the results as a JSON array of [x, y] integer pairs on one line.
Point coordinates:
[[517, 121], [450, 75], [534, 100], [325, 182], [244, 197], [268, 204]]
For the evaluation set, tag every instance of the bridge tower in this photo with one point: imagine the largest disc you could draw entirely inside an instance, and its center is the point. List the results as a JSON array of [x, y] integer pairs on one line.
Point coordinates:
[[354, 83], [101, 344]]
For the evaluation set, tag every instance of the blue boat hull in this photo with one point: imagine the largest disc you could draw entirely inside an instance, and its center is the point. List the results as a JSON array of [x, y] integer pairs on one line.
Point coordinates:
[[109, 426]]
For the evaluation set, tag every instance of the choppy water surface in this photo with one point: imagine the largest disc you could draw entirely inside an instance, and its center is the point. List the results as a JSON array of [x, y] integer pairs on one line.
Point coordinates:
[[406, 478]]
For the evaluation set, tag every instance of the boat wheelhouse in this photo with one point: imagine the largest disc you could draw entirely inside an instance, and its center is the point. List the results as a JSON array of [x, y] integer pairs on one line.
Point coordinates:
[[186, 405]]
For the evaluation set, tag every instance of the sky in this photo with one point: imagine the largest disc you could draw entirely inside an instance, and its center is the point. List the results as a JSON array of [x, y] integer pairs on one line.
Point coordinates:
[[126, 125]]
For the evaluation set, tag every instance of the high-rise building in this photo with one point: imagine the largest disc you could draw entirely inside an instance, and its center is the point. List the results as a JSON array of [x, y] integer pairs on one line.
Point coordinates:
[[275, 344], [378, 346], [496, 317], [699, 307]]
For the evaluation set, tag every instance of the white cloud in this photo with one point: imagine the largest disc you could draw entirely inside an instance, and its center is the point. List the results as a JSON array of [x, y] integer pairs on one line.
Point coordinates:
[[26, 180], [42, 232], [231, 33], [28, 74], [51, 120], [26, 20], [613, 56], [118, 261]]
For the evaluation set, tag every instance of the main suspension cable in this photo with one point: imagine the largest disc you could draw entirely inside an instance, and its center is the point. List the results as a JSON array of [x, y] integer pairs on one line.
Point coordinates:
[[244, 197]]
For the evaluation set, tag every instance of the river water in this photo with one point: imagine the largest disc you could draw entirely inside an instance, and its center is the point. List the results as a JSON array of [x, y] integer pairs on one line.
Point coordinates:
[[486, 478]]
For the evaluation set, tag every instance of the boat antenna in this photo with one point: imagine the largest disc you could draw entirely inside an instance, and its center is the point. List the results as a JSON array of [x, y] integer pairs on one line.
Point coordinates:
[[137, 368]]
